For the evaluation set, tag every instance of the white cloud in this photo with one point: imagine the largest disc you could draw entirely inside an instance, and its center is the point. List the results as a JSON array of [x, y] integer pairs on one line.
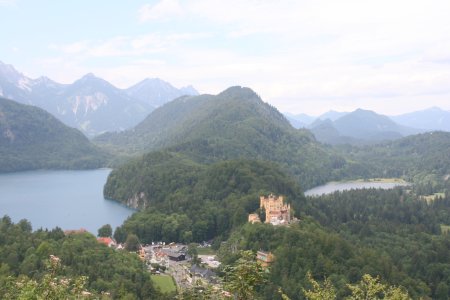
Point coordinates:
[[163, 10], [301, 56]]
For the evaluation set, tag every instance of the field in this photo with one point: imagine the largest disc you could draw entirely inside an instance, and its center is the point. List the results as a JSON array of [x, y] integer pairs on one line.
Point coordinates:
[[164, 283], [205, 251]]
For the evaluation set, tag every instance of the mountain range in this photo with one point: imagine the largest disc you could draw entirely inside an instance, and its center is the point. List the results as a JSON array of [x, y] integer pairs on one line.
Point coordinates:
[[31, 138], [367, 127], [359, 127], [90, 104], [430, 119]]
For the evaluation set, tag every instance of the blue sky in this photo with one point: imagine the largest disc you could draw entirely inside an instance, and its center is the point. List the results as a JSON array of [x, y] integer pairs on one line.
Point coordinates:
[[302, 56]]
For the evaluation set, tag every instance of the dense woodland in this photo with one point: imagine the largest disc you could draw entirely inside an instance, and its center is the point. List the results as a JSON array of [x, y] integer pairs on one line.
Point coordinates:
[[422, 159], [25, 253], [189, 202], [342, 236]]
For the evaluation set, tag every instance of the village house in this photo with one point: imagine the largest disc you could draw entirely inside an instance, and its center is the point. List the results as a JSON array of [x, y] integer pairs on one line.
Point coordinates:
[[107, 241], [175, 252], [265, 259], [199, 273], [254, 218]]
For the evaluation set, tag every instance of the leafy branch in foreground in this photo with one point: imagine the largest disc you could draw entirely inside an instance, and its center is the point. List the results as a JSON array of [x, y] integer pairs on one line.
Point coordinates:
[[245, 276], [326, 291], [368, 288], [51, 286]]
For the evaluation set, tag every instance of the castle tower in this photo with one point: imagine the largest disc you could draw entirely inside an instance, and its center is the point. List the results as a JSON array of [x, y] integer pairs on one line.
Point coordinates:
[[276, 211]]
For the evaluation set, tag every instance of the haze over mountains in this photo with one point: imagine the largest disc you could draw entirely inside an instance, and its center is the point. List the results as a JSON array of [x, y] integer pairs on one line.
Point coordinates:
[[367, 127], [90, 104]]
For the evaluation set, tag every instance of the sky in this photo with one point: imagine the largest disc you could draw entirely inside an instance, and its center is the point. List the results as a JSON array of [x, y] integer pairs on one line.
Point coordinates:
[[301, 56]]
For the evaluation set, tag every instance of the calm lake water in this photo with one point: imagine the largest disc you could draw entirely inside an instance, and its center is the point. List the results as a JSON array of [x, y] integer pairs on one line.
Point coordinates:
[[344, 186], [68, 199]]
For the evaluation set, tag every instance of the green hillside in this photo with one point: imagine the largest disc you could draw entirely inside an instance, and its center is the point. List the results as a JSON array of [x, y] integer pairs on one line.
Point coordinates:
[[236, 124], [31, 138], [188, 202], [423, 159]]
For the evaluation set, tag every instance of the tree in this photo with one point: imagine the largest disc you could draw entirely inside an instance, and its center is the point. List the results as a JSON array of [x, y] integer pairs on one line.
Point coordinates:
[[105, 231], [120, 235], [132, 242], [326, 291], [193, 253], [50, 286], [202, 291], [372, 288], [244, 276], [442, 291]]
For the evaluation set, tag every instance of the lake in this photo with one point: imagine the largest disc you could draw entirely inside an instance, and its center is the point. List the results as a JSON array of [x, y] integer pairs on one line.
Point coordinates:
[[332, 187], [68, 199]]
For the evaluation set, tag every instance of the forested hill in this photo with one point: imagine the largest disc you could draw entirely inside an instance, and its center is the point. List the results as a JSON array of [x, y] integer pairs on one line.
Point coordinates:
[[187, 201], [31, 138], [235, 124], [422, 158], [190, 118]]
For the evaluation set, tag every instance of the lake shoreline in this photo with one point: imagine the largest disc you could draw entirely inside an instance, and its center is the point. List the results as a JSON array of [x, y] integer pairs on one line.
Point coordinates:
[[335, 186], [69, 199]]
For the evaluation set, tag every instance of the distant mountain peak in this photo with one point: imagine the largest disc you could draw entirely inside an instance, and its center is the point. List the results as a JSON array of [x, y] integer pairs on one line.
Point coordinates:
[[362, 110], [89, 75], [189, 90], [92, 81], [433, 118], [239, 91], [157, 92], [332, 115], [9, 73], [43, 80]]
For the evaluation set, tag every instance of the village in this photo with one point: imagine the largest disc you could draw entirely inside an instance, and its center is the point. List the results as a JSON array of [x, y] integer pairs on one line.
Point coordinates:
[[179, 266], [171, 262]]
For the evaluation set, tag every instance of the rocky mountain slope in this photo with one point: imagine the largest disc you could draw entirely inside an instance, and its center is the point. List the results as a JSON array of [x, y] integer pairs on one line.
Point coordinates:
[[90, 104]]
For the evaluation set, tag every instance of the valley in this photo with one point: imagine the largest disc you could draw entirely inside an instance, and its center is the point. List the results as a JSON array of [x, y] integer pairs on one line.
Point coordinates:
[[195, 168], [218, 150]]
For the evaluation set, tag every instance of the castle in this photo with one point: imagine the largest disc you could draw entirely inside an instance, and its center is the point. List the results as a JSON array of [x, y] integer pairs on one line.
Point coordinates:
[[277, 213]]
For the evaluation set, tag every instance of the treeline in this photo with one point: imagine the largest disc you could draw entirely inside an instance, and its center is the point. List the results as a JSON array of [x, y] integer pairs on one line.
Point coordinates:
[[24, 253], [395, 209]]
